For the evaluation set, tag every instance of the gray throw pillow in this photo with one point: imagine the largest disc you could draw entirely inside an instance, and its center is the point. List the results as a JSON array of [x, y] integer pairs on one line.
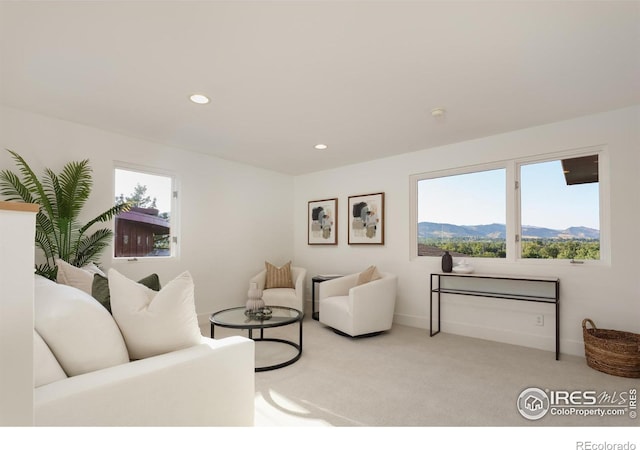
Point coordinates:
[[100, 288]]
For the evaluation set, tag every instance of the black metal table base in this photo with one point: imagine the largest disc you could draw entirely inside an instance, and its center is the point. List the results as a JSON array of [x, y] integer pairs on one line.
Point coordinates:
[[282, 364], [282, 341], [439, 290]]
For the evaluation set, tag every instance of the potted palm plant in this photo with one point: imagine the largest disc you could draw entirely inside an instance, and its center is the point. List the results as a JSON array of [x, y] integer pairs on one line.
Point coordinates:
[[59, 233]]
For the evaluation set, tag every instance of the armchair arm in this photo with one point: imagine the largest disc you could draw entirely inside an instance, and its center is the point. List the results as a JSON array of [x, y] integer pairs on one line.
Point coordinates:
[[372, 297], [337, 286], [384, 287], [299, 275], [211, 384]]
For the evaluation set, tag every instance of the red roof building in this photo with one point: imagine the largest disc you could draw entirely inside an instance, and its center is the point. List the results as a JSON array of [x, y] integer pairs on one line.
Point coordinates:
[[135, 231]]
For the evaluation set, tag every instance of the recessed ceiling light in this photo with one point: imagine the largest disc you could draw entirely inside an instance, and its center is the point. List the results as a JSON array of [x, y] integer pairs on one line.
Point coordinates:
[[199, 99], [438, 112], [320, 146]]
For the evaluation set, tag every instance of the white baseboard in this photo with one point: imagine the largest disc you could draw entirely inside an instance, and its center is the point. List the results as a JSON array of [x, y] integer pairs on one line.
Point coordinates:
[[568, 347]]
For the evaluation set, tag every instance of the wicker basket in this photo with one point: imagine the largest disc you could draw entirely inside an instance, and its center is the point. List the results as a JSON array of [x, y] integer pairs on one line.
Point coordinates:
[[610, 351]]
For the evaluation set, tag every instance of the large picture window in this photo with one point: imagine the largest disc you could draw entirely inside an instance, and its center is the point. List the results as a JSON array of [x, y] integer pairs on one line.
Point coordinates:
[[148, 228], [531, 209], [464, 214]]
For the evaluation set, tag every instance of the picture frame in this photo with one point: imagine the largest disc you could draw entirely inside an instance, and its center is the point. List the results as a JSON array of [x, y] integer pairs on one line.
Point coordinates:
[[323, 222], [366, 219]]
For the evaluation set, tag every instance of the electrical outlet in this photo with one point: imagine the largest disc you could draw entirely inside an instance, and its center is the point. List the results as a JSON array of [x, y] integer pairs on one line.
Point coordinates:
[[540, 320]]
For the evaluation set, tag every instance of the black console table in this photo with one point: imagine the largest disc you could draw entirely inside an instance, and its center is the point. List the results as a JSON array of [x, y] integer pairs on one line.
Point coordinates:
[[528, 289]]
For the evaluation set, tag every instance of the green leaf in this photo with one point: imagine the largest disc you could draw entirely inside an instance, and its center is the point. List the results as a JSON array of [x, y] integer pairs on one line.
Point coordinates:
[[13, 188], [107, 215], [47, 271], [89, 247], [75, 187]]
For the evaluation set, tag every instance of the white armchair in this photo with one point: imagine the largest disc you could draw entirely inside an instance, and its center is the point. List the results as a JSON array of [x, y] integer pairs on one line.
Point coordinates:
[[293, 298], [358, 310]]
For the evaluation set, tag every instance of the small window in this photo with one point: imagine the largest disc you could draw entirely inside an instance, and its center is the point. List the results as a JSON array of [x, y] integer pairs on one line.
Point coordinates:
[[145, 230], [463, 213], [560, 209]]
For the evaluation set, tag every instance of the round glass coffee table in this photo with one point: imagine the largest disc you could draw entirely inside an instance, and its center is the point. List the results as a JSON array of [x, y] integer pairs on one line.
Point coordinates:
[[280, 316]]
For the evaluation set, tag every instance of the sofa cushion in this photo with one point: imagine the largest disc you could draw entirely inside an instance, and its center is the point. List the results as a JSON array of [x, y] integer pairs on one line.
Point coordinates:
[[278, 277], [153, 322], [100, 288], [46, 369], [78, 277], [81, 334]]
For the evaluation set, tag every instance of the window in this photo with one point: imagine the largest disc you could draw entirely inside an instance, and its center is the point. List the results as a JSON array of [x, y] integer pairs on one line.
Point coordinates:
[[548, 208], [148, 228], [560, 209], [463, 213]]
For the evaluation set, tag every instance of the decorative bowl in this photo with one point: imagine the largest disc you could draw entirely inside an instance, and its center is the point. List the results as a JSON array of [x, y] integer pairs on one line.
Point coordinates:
[[463, 268], [259, 314]]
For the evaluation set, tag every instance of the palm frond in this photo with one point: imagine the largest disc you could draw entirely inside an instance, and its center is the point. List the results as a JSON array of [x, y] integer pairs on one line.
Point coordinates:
[[46, 226], [52, 188], [31, 182], [12, 188], [47, 271], [75, 187], [107, 215], [44, 243], [90, 246]]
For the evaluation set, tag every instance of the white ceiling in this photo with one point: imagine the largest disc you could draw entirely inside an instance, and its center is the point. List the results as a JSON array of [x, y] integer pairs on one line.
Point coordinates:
[[361, 77]]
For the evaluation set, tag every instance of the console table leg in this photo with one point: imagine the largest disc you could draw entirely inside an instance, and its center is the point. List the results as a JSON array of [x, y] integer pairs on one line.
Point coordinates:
[[431, 333], [557, 330]]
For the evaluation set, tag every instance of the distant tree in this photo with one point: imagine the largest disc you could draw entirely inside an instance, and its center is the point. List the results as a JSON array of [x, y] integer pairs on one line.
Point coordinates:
[[531, 248], [138, 198]]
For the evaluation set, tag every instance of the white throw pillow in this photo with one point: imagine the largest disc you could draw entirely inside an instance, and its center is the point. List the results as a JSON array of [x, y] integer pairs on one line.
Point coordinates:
[[79, 331], [46, 368], [78, 277], [154, 322]]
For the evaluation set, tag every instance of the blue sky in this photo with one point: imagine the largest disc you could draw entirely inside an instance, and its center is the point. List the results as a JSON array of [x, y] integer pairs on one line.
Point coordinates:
[[479, 198], [548, 201]]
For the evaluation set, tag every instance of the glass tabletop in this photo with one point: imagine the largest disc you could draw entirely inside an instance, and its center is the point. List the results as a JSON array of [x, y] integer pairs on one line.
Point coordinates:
[[236, 318]]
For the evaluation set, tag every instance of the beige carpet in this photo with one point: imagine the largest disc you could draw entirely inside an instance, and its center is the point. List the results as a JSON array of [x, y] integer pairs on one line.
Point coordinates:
[[404, 378]]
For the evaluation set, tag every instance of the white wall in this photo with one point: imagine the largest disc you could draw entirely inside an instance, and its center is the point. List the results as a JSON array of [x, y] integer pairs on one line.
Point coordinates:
[[223, 205], [608, 294]]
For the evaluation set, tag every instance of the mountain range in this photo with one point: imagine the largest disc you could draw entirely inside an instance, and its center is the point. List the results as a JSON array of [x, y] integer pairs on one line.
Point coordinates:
[[498, 231]]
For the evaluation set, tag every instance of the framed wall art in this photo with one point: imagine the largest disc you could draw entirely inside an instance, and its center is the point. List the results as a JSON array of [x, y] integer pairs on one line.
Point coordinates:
[[366, 219], [323, 222]]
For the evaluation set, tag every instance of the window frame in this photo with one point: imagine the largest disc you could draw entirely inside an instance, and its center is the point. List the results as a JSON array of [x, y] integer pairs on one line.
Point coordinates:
[[174, 216], [513, 204], [416, 178], [603, 206]]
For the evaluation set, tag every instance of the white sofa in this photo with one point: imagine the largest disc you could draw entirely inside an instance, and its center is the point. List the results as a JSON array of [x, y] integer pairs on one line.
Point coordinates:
[[209, 384]]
